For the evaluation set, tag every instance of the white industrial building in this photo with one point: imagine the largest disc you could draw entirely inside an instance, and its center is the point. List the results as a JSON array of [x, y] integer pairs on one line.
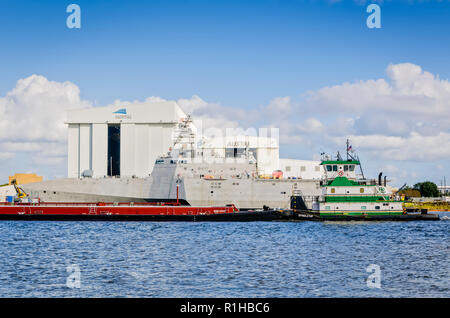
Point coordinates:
[[120, 140], [126, 140]]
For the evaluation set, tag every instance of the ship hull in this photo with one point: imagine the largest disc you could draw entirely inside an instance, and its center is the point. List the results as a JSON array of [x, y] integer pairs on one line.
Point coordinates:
[[243, 193]]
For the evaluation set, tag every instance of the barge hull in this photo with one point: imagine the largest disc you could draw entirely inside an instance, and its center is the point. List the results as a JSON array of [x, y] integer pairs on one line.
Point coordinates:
[[106, 212], [230, 217]]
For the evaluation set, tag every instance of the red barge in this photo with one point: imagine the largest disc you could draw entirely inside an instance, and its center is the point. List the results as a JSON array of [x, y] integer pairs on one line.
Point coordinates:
[[100, 211]]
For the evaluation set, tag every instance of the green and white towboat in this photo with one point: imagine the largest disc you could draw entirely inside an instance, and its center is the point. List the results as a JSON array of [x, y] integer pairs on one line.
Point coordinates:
[[345, 195]]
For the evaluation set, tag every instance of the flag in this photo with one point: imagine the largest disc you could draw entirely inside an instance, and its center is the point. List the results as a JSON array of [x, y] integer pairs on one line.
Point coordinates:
[[349, 148]]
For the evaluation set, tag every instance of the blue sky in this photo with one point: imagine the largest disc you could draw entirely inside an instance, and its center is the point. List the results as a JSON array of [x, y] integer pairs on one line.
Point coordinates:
[[237, 54]]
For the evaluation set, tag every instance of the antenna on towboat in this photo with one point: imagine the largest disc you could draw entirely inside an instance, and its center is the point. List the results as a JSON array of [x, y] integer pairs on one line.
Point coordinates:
[[355, 157]]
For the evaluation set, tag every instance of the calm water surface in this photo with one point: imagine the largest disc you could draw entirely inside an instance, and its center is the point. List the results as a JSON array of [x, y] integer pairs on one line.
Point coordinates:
[[259, 259]]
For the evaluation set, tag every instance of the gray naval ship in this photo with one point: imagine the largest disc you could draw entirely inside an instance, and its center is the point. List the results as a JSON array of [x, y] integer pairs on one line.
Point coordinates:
[[197, 184], [187, 175]]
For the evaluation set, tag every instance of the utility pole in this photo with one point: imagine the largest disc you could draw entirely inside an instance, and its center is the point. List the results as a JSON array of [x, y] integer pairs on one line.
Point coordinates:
[[445, 187], [347, 148]]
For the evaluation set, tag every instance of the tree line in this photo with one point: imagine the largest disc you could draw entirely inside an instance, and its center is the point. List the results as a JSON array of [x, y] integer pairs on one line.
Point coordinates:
[[426, 189]]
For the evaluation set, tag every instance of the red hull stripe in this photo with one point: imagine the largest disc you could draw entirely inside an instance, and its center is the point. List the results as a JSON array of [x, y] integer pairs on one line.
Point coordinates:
[[106, 209]]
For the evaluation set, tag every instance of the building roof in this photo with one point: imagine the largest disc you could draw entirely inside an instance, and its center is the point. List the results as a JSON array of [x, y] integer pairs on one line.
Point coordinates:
[[145, 113]]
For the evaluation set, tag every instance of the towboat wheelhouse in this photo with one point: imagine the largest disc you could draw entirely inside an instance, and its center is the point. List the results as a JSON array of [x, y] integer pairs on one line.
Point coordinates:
[[345, 194]]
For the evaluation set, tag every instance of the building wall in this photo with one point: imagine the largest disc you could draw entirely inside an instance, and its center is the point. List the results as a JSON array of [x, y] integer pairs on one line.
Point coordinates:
[[304, 169], [127, 154], [142, 149], [6, 191], [25, 178], [445, 190], [72, 151], [85, 147], [100, 150]]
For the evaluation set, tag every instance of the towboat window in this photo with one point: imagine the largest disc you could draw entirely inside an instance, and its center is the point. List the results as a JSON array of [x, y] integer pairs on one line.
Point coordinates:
[[361, 190], [327, 208], [352, 168], [159, 161], [333, 190], [363, 207], [377, 207], [329, 168], [335, 168], [345, 168]]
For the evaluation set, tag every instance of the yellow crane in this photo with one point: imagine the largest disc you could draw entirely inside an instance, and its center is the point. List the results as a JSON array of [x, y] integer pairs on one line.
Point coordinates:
[[21, 194]]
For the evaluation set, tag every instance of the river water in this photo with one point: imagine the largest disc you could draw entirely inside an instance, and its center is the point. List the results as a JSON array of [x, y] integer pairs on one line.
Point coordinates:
[[256, 259]]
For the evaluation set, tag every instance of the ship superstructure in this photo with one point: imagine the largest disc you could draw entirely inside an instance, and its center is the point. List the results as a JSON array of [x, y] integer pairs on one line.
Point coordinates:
[[203, 177]]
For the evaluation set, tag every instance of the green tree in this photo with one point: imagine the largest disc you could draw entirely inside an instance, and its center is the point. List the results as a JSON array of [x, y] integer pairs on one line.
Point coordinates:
[[427, 189], [410, 193]]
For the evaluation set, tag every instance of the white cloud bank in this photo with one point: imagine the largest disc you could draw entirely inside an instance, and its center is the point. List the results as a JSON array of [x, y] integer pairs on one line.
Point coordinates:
[[404, 117], [32, 119]]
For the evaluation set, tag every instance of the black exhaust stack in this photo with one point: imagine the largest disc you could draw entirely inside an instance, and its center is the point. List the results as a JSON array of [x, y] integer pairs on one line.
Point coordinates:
[[379, 178], [385, 182]]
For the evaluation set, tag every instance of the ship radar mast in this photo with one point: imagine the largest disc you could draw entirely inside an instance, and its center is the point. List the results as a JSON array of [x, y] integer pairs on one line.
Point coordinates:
[[184, 136]]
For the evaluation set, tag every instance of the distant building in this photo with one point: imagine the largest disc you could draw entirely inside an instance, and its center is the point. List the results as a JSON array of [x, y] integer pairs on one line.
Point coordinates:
[[25, 178], [444, 190], [6, 191]]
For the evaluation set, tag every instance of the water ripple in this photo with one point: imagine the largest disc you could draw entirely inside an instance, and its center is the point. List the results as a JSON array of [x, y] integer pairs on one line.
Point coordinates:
[[261, 259]]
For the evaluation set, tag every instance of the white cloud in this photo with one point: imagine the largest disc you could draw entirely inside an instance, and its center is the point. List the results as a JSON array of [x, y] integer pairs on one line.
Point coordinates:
[[406, 117], [192, 104], [211, 115], [48, 161], [6, 155], [35, 110], [410, 92], [32, 119], [415, 147], [311, 125]]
